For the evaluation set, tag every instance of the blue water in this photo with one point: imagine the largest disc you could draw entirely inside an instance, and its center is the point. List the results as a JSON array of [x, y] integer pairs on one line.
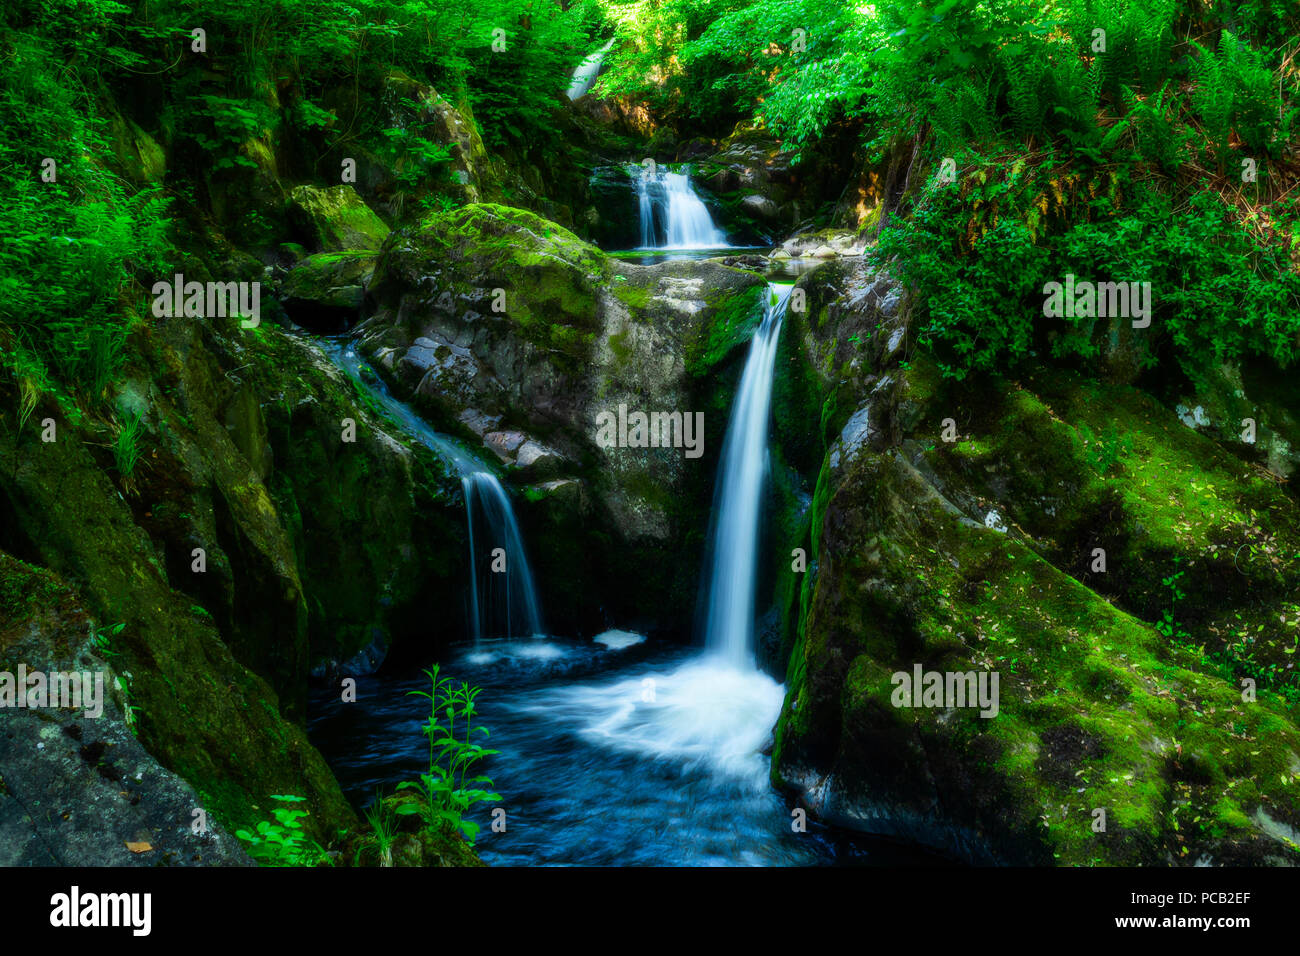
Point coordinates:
[[597, 766]]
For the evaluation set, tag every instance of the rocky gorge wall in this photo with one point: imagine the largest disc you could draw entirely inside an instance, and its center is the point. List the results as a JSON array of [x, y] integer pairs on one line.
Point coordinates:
[[955, 527]]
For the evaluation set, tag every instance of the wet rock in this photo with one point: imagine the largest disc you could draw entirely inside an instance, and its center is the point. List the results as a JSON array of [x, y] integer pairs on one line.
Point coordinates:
[[551, 335], [324, 292], [76, 786]]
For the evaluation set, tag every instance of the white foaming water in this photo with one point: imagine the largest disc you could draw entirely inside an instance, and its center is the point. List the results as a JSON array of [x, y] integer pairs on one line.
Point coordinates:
[[704, 712], [669, 199], [618, 640], [738, 497], [492, 652], [585, 75], [502, 603]]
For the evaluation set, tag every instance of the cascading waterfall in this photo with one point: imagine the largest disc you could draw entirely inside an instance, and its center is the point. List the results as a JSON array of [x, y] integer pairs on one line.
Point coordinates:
[[669, 200], [738, 497], [502, 603], [673, 739], [585, 75]]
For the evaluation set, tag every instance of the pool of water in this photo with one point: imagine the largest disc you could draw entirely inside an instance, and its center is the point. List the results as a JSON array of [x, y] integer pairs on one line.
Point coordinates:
[[613, 752]]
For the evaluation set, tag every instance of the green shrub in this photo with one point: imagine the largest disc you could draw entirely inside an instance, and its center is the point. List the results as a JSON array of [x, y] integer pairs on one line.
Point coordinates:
[[1217, 293], [281, 841]]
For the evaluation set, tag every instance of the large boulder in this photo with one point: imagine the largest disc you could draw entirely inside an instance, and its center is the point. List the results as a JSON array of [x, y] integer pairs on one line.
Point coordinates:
[[324, 292], [334, 219], [511, 331], [76, 786], [272, 524]]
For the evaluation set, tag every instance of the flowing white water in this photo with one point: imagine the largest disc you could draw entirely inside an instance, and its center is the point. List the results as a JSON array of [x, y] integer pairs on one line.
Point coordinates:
[[738, 496], [511, 607], [585, 75], [702, 713], [647, 212], [503, 603], [669, 206]]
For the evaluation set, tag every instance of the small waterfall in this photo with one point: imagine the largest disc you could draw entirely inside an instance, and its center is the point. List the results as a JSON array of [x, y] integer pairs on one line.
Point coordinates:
[[511, 607], [502, 603], [585, 75], [647, 212], [738, 497], [669, 206]]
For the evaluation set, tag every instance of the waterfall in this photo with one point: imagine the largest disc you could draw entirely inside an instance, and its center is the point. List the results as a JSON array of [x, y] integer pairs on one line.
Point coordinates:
[[512, 608], [670, 206], [503, 603], [738, 496], [647, 212], [585, 75]]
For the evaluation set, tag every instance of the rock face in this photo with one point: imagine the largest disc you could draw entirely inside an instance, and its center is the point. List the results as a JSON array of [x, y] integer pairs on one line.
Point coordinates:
[[251, 542], [76, 787], [509, 329], [1047, 531], [612, 221]]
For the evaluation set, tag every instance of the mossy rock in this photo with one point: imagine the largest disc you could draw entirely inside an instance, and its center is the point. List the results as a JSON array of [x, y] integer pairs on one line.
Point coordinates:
[[961, 535], [334, 219], [324, 292], [1096, 709], [202, 714]]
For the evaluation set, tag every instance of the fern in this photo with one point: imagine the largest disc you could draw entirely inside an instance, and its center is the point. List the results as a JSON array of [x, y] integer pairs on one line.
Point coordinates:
[[1158, 140], [1212, 99], [1024, 72]]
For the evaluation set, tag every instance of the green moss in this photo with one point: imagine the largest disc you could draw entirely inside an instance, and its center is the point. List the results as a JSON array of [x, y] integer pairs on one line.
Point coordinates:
[[1096, 710], [548, 277], [635, 296], [731, 324]]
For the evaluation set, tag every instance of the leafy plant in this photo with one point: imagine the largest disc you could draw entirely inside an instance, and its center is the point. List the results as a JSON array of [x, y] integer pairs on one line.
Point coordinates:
[[126, 447], [450, 787], [980, 289], [1104, 451], [281, 841]]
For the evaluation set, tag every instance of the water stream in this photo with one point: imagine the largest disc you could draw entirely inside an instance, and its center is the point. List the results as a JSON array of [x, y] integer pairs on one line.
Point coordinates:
[[503, 598], [738, 496], [587, 71]]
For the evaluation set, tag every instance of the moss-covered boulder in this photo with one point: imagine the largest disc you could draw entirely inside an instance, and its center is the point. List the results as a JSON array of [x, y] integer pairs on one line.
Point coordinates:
[[324, 292], [334, 219], [76, 786], [202, 713], [1130, 583], [246, 516]]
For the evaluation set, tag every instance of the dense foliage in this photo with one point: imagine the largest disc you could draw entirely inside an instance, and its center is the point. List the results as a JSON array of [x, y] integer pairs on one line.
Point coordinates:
[[1095, 137], [1219, 293], [78, 248], [1160, 100]]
